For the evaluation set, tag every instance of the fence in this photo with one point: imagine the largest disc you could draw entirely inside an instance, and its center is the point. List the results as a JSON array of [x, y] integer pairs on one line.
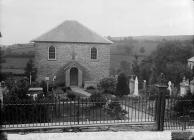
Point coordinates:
[[167, 112], [77, 112], [179, 113]]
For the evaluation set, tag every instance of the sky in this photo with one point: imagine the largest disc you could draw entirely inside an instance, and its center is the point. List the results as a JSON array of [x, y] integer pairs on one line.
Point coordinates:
[[23, 20]]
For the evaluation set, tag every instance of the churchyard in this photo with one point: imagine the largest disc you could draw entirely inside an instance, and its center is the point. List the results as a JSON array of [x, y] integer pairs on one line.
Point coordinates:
[[63, 107]]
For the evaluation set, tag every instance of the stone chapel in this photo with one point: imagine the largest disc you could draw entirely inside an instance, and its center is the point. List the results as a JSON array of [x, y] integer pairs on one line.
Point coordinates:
[[72, 54]]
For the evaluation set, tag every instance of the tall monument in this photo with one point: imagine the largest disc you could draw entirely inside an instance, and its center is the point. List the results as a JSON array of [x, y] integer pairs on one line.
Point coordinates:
[[136, 92]]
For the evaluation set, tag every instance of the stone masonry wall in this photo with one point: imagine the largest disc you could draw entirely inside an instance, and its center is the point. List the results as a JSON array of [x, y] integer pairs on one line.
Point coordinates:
[[97, 69]]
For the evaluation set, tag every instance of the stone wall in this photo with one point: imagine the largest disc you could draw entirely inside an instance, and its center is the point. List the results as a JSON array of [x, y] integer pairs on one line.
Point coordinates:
[[97, 69]]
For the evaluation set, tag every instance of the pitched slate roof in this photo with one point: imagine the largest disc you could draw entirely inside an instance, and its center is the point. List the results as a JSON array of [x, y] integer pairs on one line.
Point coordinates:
[[72, 31]]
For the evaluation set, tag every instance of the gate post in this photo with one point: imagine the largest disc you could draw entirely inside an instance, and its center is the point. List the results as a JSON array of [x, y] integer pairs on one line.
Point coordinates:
[[78, 113], [161, 102], [1, 112]]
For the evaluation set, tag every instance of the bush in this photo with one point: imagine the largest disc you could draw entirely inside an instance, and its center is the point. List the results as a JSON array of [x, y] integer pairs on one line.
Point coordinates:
[[90, 87], [44, 86], [71, 95], [107, 85], [122, 87], [34, 112], [60, 84], [98, 99], [68, 88], [64, 89], [115, 109], [184, 105], [31, 113]]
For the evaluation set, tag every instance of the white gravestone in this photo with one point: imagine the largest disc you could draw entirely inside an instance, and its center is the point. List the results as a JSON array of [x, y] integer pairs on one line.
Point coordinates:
[[170, 87], [144, 84], [116, 78], [192, 86], [136, 92], [184, 86]]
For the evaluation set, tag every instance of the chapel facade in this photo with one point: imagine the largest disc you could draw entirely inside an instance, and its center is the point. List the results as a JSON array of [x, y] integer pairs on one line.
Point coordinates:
[[72, 54]]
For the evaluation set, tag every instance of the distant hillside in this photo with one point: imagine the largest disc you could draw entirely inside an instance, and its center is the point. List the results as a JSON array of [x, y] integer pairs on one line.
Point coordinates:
[[16, 57], [20, 49], [154, 38]]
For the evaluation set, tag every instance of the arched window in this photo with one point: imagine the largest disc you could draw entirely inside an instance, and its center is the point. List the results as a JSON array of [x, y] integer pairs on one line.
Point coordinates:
[[93, 53], [51, 53]]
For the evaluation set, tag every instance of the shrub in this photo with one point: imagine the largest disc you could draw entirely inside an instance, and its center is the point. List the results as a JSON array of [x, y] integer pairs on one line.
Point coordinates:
[[71, 95], [30, 113], [34, 112], [90, 87], [184, 105], [107, 85], [62, 84], [122, 87], [64, 89], [115, 109], [44, 86], [68, 88], [98, 99]]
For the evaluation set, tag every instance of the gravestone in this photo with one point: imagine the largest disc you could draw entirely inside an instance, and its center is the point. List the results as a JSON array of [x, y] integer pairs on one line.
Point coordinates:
[[192, 86], [144, 84], [184, 87], [116, 78], [131, 85], [170, 87], [136, 92]]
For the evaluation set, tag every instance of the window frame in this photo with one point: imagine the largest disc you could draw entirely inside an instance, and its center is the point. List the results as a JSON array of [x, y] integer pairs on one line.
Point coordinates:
[[95, 54], [49, 53]]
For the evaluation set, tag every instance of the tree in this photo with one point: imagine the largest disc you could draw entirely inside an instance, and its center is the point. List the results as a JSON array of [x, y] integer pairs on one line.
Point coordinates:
[[2, 60], [122, 87], [136, 68], [125, 67], [107, 85], [17, 89], [169, 58], [142, 50], [30, 70], [0, 64]]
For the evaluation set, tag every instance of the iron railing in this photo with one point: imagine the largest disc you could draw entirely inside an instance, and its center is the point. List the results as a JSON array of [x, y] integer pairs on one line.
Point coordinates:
[[179, 113], [77, 112]]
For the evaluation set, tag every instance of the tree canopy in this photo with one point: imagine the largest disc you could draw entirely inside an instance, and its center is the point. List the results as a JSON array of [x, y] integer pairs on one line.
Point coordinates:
[[169, 58], [30, 70]]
